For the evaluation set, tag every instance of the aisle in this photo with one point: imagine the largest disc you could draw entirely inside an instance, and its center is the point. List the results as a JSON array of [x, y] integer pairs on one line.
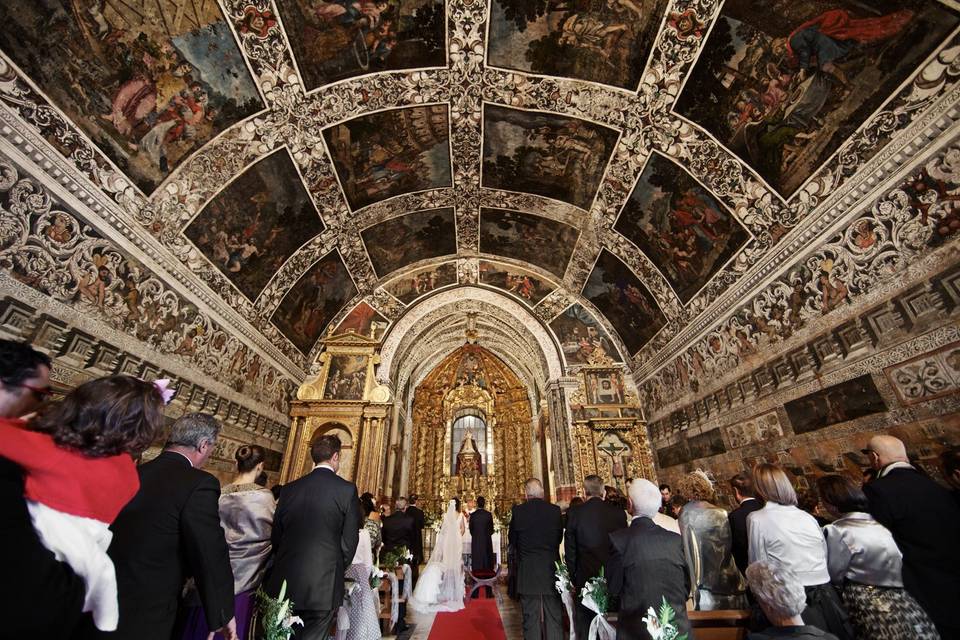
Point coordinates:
[[483, 619]]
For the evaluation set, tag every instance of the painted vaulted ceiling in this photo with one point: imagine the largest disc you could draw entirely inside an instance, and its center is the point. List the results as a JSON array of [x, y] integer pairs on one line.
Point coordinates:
[[630, 170]]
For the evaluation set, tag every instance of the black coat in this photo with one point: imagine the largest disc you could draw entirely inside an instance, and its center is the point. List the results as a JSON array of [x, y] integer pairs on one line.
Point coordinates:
[[39, 597], [535, 532], [418, 524], [315, 536], [738, 531], [646, 564], [399, 530], [169, 532], [587, 540], [481, 541], [925, 522]]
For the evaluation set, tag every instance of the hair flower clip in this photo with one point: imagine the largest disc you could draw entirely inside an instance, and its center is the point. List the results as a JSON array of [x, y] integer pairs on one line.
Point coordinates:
[[163, 386]]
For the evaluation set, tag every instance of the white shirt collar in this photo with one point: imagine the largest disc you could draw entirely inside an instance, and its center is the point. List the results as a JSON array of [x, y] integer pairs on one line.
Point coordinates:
[[180, 454], [324, 465], [895, 465], [747, 498]]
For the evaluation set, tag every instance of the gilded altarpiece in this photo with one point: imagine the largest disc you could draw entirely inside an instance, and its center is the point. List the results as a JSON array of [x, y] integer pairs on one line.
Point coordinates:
[[609, 431], [471, 379], [343, 399]]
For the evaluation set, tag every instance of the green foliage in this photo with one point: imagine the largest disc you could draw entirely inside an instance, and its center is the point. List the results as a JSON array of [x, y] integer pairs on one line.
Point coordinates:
[[394, 559], [274, 613]]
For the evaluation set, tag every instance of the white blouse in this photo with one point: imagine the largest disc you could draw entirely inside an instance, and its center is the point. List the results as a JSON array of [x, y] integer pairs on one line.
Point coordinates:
[[790, 537]]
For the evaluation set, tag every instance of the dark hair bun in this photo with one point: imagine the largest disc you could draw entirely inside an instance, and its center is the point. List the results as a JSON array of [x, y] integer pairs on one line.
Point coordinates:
[[249, 456], [244, 453]]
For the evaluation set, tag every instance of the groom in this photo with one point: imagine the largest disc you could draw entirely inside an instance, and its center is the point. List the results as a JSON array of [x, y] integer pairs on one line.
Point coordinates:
[[315, 535], [482, 557]]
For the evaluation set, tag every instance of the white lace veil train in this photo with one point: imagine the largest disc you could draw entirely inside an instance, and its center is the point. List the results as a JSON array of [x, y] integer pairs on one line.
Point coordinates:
[[441, 585]]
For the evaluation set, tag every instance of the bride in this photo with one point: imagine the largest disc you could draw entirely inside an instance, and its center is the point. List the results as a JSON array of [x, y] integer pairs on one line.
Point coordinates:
[[441, 585]]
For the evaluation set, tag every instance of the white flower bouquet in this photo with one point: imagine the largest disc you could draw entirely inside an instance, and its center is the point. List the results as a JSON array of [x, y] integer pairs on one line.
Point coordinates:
[[595, 597], [376, 577], [277, 615], [565, 589], [660, 624]]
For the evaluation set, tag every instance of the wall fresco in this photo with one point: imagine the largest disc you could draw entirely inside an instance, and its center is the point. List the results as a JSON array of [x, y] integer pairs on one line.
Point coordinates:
[[422, 281], [540, 241], [519, 282], [389, 153], [364, 321], [783, 83], [545, 154], [337, 40], [313, 301], [927, 377], [840, 403], [581, 337], [761, 428], [139, 81], [397, 242], [250, 228]]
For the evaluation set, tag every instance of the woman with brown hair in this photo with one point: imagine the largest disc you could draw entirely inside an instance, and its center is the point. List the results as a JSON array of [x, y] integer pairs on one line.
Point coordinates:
[[866, 565], [246, 514], [78, 456], [707, 544], [782, 533]]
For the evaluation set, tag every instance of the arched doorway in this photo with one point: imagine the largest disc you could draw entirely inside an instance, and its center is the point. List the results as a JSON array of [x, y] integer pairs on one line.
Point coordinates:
[[346, 447]]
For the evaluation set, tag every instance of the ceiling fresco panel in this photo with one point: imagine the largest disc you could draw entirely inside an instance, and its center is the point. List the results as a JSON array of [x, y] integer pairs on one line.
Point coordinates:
[[782, 83], [527, 286], [363, 320], [400, 241], [545, 154], [337, 40], [606, 42], [540, 241], [313, 301], [625, 301], [392, 152], [582, 339], [422, 281], [680, 226], [148, 84], [250, 228]]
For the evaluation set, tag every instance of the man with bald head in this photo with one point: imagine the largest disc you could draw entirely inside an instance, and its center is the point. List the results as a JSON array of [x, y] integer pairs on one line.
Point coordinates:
[[925, 522], [535, 533]]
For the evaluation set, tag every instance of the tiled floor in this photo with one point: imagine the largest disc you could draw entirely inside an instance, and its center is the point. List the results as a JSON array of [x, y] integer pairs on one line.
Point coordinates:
[[509, 614]]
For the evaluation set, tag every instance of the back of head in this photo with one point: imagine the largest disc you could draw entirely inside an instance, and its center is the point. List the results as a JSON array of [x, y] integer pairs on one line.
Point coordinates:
[[366, 505], [19, 362], [888, 449], [533, 488], [743, 484], [193, 429], [481, 502], [456, 504], [696, 486], [575, 501], [773, 484], [843, 493], [777, 588], [324, 448], [105, 417], [249, 456], [412, 499], [593, 487], [645, 497]]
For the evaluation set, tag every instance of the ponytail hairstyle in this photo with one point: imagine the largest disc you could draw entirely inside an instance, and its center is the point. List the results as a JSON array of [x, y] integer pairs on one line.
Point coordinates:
[[249, 456]]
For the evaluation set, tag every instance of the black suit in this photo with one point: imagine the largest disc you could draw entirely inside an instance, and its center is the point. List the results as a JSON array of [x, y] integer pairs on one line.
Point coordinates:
[[738, 531], [925, 522], [169, 532], [315, 536], [39, 597], [417, 548], [399, 530], [646, 563], [482, 557], [587, 546], [535, 533]]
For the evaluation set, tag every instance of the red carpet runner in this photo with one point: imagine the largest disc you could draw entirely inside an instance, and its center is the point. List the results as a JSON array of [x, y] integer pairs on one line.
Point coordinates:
[[480, 620]]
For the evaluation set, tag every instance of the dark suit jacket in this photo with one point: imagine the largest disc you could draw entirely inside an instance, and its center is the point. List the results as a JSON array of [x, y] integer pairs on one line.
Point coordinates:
[[399, 529], [587, 541], [417, 548], [41, 598], [169, 532], [646, 564], [738, 531], [925, 522], [481, 542], [535, 532], [315, 536]]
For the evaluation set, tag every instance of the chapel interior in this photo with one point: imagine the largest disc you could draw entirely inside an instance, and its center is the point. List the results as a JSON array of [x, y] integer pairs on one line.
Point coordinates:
[[488, 241]]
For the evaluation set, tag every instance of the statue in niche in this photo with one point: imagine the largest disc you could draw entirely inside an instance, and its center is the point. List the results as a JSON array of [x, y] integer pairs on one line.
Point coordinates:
[[469, 460]]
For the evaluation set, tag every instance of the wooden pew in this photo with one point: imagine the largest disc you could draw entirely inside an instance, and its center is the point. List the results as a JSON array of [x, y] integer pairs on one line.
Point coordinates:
[[724, 624]]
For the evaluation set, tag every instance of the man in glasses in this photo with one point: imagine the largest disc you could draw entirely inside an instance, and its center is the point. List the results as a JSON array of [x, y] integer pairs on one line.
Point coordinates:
[[46, 594]]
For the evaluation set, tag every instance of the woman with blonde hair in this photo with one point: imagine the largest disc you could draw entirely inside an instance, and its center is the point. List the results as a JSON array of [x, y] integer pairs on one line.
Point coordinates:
[[782, 533], [708, 546]]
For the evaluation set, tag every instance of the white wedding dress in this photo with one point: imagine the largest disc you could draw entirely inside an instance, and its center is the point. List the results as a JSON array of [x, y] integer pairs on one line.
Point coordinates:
[[441, 585]]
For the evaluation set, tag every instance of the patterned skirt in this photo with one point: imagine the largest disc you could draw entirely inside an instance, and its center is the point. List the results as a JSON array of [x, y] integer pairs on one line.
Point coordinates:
[[886, 613]]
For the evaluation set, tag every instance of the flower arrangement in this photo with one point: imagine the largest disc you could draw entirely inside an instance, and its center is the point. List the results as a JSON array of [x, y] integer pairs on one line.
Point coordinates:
[[660, 624], [396, 558], [376, 577], [594, 594], [277, 614], [562, 574]]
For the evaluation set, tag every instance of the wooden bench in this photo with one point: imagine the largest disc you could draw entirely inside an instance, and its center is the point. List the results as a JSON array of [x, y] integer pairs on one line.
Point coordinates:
[[723, 624]]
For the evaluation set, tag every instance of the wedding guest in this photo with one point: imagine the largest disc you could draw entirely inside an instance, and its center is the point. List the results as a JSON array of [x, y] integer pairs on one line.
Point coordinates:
[[78, 457], [418, 523], [587, 542], [716, 582], [866, 565], [665, 495], [171, 531], [950, 460], [646, 565], [782, 533], [46, 594], [315, 537], [782, 598], [535, 533], [371, 522], [398, 530], [275, 491], [925, 522], [676, 506], [246, 514], [363, 605], [482, 557], [809, 501], [746, 497]]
